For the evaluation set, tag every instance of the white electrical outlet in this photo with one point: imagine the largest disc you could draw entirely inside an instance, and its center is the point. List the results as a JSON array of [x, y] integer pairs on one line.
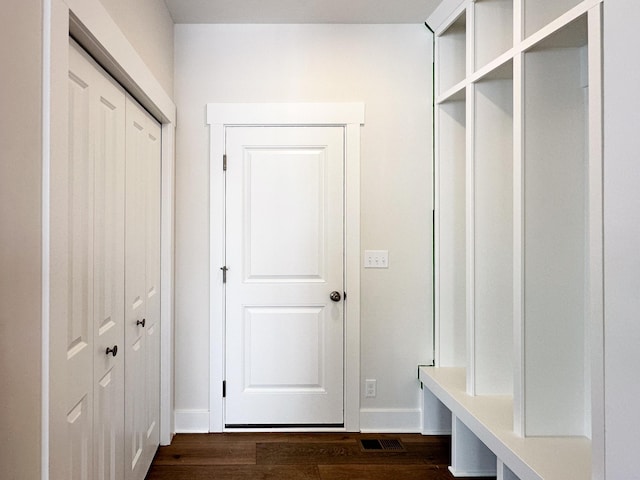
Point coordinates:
[[370, 388], [376, 259]]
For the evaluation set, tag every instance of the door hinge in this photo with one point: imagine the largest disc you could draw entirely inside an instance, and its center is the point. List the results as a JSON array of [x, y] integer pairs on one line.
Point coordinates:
[[224, 389], [224, 162], [224, 273]]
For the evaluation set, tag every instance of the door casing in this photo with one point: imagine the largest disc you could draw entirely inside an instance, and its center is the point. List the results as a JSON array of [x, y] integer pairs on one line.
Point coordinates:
[[347, 115]]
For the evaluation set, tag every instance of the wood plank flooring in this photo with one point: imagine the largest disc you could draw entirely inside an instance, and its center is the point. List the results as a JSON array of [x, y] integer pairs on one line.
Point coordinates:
[[300, 456]]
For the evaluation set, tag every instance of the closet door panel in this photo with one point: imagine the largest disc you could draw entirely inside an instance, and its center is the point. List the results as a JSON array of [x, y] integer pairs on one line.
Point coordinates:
[[152, 286], [108, 428], [142, 289], [135, 296], [76, 266], [109, 164]]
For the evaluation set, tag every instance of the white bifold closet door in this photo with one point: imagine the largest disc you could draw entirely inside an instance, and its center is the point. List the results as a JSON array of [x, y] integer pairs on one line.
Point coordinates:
[[88, 268], [106, 278], [142, 297]]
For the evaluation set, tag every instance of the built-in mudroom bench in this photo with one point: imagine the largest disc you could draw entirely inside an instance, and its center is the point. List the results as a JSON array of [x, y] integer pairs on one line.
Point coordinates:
[[483, 441], [518, 255]]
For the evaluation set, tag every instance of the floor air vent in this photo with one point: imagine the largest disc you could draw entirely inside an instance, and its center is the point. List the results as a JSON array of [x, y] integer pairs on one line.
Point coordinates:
[[389, 445]]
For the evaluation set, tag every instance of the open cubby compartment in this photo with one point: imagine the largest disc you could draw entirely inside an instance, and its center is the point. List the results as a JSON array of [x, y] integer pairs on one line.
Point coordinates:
[[493, 30], [539, 13], [452, 54], [555, 235], [469, 456], [492, 321], [451, 234]]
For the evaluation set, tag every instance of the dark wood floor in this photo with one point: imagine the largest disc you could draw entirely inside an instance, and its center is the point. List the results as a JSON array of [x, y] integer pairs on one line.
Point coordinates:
[[291, 456]]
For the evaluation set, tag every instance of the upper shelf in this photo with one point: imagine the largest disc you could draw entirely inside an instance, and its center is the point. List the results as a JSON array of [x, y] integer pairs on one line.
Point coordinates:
[[452, 55], [493, 30], [571, 35], [538, 13]]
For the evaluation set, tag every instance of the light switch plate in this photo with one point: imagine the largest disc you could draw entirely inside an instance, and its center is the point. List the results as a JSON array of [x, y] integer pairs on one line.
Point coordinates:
[[376, 259]]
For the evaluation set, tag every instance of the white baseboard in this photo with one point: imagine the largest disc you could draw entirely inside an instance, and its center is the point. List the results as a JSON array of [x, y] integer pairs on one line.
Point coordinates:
[[390, 420], [372, 420], [192, 421]]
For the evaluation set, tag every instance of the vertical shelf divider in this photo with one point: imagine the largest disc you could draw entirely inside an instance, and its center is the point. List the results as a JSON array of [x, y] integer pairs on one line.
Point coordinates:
[[471, 205], [470, 229], [596, 240], [518, 247]]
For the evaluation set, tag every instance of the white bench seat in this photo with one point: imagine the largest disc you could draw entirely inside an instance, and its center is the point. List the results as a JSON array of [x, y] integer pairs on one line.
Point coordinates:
[[490, 420]]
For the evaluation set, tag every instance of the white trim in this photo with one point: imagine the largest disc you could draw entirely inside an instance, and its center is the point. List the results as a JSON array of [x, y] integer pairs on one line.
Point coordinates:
[[390, 420], [119, 58], [104, 39], [596, 243], [352, 276], [348, 115], [217, 293], [445, 14], [46, 238], [192, 421], [285, 114], [167, 286]]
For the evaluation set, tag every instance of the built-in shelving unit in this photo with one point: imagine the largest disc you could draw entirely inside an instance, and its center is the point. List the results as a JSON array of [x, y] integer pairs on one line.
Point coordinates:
[[452, 52], [518, 252]]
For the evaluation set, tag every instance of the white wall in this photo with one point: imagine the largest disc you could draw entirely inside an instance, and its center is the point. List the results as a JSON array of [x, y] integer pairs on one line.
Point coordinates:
[[148, 26], [387, 67], [622, 237], [20, 245]]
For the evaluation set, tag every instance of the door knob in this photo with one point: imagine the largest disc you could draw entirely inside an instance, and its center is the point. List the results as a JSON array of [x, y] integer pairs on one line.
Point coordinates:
[[335, 296], [141, 323], [113, 351]]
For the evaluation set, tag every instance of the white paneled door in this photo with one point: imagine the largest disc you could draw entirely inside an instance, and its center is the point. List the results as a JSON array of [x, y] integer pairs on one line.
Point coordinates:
[[142, 291], [88, 241], [285, 278]]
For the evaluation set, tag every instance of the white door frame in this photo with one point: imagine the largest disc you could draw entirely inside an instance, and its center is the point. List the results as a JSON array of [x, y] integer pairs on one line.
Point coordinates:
[[351, 117]]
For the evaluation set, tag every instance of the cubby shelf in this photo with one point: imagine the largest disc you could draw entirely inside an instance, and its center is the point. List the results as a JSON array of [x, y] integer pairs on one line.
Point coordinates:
[[454, 94], [517, 261], [540, 13], [452, 54], [493, 30]]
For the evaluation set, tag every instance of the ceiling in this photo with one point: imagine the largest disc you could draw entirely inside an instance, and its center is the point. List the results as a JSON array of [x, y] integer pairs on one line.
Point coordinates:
[[301, 11]]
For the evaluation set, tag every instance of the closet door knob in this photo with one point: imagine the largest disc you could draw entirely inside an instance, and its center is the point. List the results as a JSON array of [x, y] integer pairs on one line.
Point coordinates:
[[141, 323], [335, 296], [113, 351]]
